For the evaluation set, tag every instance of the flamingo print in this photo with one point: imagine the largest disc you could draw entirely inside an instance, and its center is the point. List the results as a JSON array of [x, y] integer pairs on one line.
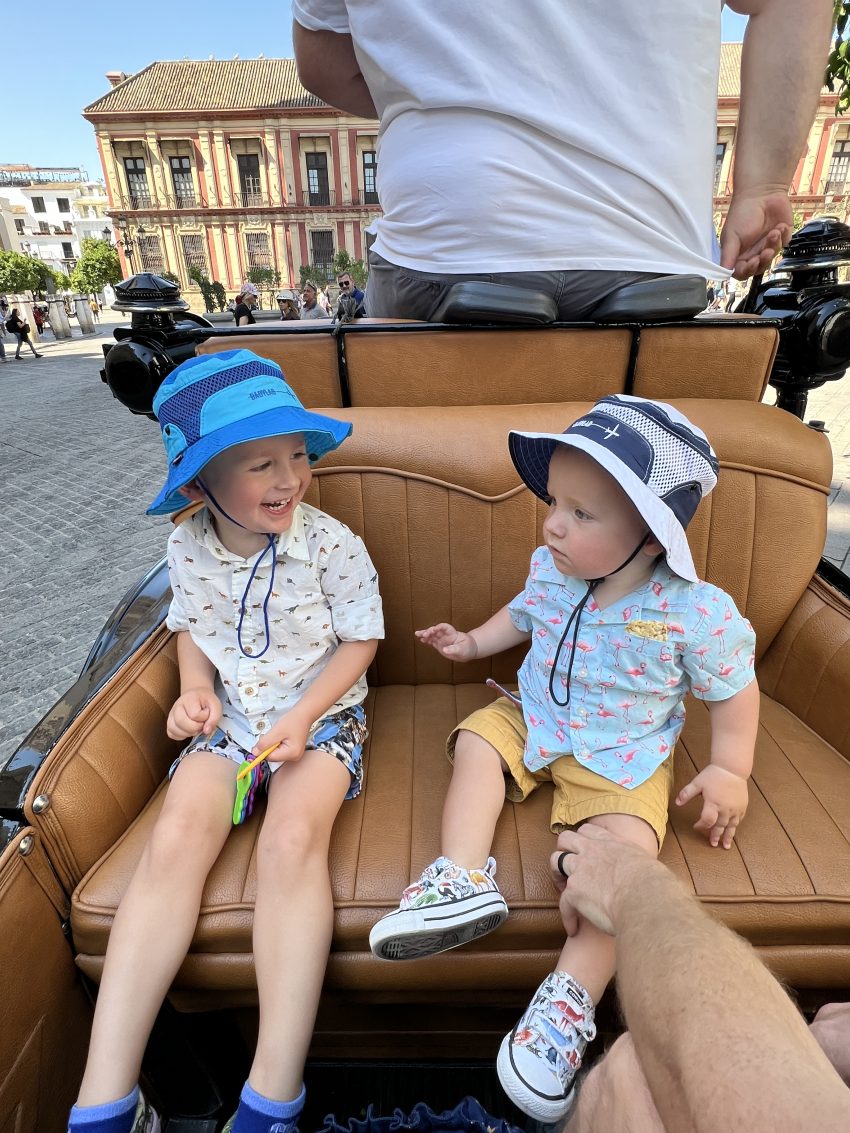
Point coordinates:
[[627, 705], [719, 632], [703, 614], [724, 670], [700, 652], [650, 719], [638, 672], [604, 712]]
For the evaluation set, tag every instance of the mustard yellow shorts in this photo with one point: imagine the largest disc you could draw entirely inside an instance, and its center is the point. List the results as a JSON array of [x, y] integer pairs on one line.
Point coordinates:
[[579, 792]]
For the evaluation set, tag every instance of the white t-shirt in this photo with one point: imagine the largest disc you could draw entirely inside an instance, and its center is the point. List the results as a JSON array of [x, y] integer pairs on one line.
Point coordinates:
[[543, 135]]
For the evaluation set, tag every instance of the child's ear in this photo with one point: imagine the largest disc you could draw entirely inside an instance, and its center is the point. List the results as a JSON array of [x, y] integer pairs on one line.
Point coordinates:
[[193, 492]]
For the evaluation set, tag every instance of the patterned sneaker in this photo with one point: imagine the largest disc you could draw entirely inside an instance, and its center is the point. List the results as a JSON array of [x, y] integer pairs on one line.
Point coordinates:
[[539, 1059], [446, 907], [146, 1119]]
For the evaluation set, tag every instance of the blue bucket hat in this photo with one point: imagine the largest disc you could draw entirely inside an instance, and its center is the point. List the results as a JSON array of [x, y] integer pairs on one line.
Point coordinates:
[[215, 401]]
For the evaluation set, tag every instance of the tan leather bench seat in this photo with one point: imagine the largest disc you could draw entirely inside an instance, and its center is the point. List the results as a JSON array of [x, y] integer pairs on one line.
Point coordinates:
[[451, 529], [785, 884]]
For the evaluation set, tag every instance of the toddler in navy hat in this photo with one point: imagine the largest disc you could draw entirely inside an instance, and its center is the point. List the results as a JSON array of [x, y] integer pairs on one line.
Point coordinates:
[[277, 616], [620, 629]]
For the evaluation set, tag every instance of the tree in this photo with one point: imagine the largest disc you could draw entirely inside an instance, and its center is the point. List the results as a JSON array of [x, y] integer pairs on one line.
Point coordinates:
[[213, 293], [19, 273], [98, 266], [264, 277], [358, 271], [838, 67], [312, 271], [171, 277]]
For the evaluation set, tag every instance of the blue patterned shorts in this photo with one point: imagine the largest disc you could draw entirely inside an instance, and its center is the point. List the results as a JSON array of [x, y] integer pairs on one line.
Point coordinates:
[[341, 735]]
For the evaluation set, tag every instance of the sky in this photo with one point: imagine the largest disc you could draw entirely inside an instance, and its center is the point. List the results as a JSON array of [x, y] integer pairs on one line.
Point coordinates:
[[58, 74]]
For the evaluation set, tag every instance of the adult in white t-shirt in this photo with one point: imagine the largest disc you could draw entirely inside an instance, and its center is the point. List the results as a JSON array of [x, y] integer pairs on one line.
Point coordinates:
[[559, 139]]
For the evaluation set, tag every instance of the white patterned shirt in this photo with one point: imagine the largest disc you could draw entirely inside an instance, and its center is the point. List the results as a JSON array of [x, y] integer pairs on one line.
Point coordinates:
[[325, 592]]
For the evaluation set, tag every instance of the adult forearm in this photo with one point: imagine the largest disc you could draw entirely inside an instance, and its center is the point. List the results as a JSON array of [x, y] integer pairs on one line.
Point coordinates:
[[784, 59], [328, 67], [715, 1033]]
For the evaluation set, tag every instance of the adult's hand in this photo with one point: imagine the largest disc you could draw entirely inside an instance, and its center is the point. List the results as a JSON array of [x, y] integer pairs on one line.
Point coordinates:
[[758, 224], [600, 868]]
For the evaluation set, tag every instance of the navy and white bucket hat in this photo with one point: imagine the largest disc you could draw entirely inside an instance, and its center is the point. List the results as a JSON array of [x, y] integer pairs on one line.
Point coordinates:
[[215, 401], [662, 461]]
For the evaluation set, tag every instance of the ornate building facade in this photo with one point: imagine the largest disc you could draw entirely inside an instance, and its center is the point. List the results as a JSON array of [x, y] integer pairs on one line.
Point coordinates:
[[230, 166]]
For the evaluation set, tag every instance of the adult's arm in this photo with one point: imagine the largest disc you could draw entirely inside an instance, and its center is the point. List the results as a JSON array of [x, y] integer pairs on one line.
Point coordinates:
[[784, 59], [714, 1032], [328, 68]]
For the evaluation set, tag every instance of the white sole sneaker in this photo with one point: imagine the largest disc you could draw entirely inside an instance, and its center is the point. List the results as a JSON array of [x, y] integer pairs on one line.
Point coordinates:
[[410, 934], [544, 1107]]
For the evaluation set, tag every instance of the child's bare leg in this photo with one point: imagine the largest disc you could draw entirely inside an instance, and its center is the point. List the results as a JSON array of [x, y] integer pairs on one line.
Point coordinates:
[[474, 801], [155, 922], [293, 918], [456, 899], [539, 1058], [589, 955]]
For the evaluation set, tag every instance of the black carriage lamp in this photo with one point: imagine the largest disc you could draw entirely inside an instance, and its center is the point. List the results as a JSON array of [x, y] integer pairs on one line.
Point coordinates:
[[812, 306], [162, 334]]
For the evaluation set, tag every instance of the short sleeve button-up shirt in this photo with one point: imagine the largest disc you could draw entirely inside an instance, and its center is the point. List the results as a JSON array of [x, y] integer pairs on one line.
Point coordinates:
[[635, 661], [325, 591]]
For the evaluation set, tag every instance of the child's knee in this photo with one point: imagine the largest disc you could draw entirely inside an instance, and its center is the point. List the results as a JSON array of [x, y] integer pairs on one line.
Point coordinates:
[[289, 844], [631, 828], [470, 748]]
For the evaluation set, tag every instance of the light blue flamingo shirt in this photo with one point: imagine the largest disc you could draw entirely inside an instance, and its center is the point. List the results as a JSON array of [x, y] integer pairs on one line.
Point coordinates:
[[635, 662]]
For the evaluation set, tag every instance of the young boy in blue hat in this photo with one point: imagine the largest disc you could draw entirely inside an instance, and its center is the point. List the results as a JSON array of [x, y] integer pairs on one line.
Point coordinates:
[[621, 629], [277, 615]]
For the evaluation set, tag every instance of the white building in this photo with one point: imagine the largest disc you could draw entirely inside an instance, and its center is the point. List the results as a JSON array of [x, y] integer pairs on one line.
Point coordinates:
[[52, 211]]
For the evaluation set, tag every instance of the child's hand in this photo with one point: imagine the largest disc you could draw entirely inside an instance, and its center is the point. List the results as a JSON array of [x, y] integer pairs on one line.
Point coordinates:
[[290, 737], [450, 642], [196, 710], [724, 802]]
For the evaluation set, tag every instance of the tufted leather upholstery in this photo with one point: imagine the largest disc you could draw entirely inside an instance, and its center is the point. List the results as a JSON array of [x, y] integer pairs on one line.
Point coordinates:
[[450, 529]]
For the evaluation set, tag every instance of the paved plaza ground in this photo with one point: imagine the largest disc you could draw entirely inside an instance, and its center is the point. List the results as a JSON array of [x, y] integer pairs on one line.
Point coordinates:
[[77, 471]]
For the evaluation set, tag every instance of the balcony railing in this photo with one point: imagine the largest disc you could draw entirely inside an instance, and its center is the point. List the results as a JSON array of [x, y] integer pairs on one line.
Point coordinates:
[[137, 201], [834, 187], [323, 198]]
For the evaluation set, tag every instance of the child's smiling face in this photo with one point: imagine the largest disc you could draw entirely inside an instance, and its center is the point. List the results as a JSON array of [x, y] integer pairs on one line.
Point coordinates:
[[258, 484], [592, 526]]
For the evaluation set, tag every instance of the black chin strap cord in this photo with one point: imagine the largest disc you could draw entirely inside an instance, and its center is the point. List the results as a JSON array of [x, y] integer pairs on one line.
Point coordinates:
[[574, 620]]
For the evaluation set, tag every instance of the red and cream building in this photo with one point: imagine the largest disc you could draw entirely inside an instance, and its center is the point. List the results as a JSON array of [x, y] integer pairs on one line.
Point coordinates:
[[232, 165]]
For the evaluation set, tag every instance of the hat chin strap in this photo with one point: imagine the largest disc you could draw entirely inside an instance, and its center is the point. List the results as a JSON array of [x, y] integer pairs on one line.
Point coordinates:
[[575, 618], [242, 605]]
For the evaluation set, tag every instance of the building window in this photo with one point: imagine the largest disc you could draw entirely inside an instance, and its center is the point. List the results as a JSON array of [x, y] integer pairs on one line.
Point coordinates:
[[67, 251], [137, 183], [19, 227], [322, 249], [38, 204], [43, 228], [181, 177], [151, 254], [318, 192], [193, 253], [370, 170], [719, 154], [63, 204], [257, 247], [67, 226], [839, 167], [250, 186]]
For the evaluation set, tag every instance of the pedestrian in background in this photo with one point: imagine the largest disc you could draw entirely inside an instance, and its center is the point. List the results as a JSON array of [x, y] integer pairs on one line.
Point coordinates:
[[21, 331]]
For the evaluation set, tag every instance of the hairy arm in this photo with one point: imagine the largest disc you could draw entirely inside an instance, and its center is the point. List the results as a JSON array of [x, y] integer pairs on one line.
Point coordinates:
[[328, 67], [784, 59], [714, 1032]]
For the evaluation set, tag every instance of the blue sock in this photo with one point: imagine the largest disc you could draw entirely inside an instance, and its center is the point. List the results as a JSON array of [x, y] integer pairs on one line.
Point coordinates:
[[111, 1117], [257, 1114]]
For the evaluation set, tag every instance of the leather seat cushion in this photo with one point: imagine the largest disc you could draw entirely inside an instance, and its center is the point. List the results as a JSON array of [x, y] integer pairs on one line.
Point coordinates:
[[783, 885]]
